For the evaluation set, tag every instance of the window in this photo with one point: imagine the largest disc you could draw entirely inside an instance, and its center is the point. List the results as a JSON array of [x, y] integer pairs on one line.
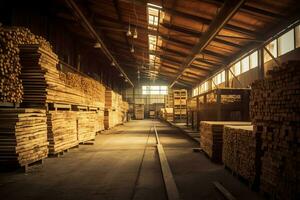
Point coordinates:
[[245, 64], [272, 47], [253, 60], [157, 90], [219, 78], [195, 91], [203, 87], [297, 32], [152, 42], [236, 69], [286, 42]]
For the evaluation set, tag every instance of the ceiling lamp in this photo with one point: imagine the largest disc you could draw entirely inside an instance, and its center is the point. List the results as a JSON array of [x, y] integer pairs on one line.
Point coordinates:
[[113, 64], [129, 31], [132, 49], [126, 80], [135, 34], [97, 45]]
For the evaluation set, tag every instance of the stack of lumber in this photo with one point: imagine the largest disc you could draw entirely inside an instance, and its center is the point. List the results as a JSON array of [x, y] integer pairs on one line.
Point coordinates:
[[169, 99], [110, 99], [275, 112], [99, 121], [110, 118], [139, 111], [44, 83], [180, 105], [11, 89], [168, 114], [241, 152], [62, 130], [211, 137], [86, 126], [113, 109], [23, 136]]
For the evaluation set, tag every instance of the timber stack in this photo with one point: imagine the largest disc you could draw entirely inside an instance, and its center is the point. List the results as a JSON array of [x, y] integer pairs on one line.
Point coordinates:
[[211, 137], [62, 131], [23, 136], [86, 126], [241, 152], [274, 109]]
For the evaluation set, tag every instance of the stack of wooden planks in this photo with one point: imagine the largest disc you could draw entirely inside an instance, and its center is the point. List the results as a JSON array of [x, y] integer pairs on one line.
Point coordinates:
[[139, 111], [62, 130], [179, 105], [110, 118], [86, 125], [23, 136], [241, 152], [275, 112], [44, 83], [211, 137], [99, 121]]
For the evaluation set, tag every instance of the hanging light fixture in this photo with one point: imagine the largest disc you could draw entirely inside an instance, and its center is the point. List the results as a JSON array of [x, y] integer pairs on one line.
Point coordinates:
[[97, 45], [113, 64], [129, 31], [135, 34], [132, 49], [121, 75]]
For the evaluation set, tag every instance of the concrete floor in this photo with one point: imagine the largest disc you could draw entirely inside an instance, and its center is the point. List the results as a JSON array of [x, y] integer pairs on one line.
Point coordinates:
[[123, 164]]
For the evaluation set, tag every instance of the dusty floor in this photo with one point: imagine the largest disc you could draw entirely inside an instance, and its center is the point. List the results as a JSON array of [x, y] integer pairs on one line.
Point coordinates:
[[123, 164]]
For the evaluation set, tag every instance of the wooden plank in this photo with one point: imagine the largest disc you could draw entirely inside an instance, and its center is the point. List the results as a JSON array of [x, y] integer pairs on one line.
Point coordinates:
[[170, 185]]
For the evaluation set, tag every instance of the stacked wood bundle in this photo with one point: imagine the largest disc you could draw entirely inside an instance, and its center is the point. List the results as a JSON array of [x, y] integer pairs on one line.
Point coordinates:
[[23, 136], [168, 114], [86, 126], [274, 109], [211, 137], [44, 83], [110, 118], [139, 111], [179, 105], [241, 152], [99, 121], [62, 130], [110, 99]]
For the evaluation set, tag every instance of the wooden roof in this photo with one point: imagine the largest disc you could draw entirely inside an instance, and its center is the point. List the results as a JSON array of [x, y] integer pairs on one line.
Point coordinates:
[[186, 23]]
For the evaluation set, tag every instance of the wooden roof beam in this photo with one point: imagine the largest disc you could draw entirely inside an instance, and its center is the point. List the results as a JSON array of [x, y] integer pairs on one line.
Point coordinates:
[[229, 8], [194, 34], [90, 29], [208, 21]]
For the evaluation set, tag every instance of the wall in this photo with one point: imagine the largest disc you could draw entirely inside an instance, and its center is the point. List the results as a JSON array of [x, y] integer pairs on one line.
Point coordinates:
[[71, 49]]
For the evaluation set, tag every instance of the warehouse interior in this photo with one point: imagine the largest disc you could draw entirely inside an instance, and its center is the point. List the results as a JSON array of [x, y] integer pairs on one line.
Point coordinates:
[[150, 99]]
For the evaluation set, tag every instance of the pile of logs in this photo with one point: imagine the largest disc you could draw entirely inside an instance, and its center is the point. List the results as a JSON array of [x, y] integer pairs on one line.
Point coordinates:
[[241, 152], [62, 130], [11, 89], [23, 136], [275, 112], [211, 137]]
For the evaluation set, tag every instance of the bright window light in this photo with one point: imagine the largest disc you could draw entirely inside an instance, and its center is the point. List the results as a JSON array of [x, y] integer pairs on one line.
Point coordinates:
[[154, 90], [272, 47], [286, 42], [297, 32], [253, 60], [237, 68], [245, 64]]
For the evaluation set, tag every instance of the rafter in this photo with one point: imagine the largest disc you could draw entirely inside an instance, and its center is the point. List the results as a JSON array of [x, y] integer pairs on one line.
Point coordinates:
[[227, 11]]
